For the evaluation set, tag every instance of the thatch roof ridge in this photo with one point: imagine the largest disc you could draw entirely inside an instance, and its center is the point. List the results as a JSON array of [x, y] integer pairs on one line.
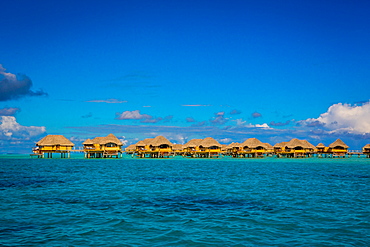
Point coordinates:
[[296, 143], [160, 140], [366, 146], [148, 141], [51, 140], [338, 143], [209, 142], [107, 139], [177, 147], [130, 147], [320, 145], [252, 143], [233, 145], [268, 145], [280, 144], [88, 142], [112, 138], [140, 144], [309, 145], [192, 143]]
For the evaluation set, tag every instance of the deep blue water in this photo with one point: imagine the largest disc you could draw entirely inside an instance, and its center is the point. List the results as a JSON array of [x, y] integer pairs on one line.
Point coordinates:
[[184, 202]]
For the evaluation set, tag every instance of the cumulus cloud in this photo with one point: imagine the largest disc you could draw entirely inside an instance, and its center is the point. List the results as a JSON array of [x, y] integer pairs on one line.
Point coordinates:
[[278, 124], [235, 112], [144, 118], [9, 111], [219, 119], [14, 87], [241, 123], [256, 115], [190, 120], [343, 118], [199, 124], [132, 115], [11, 130]]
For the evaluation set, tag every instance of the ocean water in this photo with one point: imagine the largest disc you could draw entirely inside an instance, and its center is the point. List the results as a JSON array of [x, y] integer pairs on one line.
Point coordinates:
[[184, 202]]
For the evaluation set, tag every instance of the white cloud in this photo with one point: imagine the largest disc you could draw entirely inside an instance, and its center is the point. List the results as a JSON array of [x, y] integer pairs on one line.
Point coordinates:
[[11, 130], [241, 123], [343, 118], [109, 101], [133, 115]]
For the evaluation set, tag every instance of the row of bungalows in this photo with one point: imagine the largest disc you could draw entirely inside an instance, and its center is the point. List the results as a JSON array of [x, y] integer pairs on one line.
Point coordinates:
[[250, 148], [302, 148], [336, 149], [99, 147], [159, 147]]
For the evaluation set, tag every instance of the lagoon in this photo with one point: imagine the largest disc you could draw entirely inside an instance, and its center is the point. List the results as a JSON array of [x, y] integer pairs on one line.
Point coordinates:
[[184, 202]]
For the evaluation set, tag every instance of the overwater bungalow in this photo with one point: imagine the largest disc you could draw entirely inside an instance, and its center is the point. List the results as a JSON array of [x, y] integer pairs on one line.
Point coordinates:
[[209, 148], [338, 149], [52, 144], [321, 148], [191, 147], [177, 149], [158, 147], [279, 148], [366, 150], [294, 149], [130, 149], [252, 148], [269, 148], [103, 147], [232, 149]]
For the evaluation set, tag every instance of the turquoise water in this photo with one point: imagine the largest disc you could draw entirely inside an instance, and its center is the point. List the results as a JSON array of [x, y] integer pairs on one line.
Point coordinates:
[[184, 202]]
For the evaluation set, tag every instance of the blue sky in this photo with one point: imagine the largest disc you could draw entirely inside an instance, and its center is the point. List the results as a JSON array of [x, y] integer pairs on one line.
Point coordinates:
[[274, 70]]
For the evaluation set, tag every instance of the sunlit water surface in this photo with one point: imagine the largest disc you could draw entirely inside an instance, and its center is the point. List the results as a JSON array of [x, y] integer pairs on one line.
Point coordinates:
[[184, 202]]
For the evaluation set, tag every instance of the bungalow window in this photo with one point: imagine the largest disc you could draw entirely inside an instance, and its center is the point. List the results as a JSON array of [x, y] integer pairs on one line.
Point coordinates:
[[110, 145], [164, 146], [213, 147]]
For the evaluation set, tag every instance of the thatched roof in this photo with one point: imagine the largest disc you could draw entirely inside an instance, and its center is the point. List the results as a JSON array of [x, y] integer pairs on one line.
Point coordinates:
[[367, 146], [338, 143], [252, 143], [160, 140], [107, 139], [147, 141], [295, 143], [308, 144], [177, 147], [232, 145], [192, 143], [268, 145], [140, 144], [52, 140], [88, 142], [130, 147], [320, 145], [209, 142], [280, 144], [299, 143]]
